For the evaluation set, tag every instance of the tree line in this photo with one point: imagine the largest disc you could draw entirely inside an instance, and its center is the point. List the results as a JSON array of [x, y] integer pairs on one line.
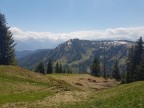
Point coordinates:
[[135, 63], [58, 68]]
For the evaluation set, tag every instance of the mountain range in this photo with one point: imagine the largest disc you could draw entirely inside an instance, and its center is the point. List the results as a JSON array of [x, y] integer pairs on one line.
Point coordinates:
[[79, 54]]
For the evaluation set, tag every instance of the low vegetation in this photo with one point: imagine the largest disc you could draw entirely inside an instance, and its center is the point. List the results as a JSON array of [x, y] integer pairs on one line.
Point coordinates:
[[18, 85], [85, 82], [123, 96], [22, 88]]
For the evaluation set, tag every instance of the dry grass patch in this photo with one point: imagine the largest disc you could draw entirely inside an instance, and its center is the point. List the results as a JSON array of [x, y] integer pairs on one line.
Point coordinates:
[[85, 82]]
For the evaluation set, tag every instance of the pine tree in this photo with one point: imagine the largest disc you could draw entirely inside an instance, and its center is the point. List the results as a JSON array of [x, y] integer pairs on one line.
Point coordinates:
[[7, 51], [141, 69], [138, 51], [115, 73], [57, 68], [130, 66], [95, 67], [68, 69], [64, 71], [137, 58], [49, 67], [60, 69], [40, 68], [134, 62]]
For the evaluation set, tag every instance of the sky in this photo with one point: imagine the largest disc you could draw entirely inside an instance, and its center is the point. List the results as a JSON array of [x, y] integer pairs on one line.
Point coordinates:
[[57, 20]]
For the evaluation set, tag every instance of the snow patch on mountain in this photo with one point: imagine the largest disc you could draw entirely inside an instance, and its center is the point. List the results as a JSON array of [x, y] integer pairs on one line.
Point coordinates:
[[69, 42]]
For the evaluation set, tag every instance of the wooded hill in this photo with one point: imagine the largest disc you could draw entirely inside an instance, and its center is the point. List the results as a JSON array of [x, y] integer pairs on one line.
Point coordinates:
[[79, 54]]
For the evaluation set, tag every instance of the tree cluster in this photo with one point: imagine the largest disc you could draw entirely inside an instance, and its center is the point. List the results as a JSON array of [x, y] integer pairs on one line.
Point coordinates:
[[58, 68], [96, 69], [51, 69], [41, 68], [62, 69], [135, 63]]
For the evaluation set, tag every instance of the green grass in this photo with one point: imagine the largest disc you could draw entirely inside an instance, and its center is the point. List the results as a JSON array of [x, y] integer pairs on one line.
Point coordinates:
[[20, 85], [24, 97], [123, 96], [17, 74]]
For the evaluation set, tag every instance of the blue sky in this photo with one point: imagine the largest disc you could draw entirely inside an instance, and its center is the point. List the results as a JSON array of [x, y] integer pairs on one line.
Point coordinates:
[[58, 16]]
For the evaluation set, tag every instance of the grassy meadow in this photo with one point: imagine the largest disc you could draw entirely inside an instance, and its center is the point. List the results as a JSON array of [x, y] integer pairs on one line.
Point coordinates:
[[20, 88]]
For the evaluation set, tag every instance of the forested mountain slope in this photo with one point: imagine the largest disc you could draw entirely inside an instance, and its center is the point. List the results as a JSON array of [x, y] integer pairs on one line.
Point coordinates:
[[79, 54]]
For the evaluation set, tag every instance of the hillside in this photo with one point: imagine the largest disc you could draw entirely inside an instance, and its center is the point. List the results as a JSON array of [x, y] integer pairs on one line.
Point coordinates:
[[123, 96], [20, 54], [20, 88], [20, 85], [31, 60], [79, 54]]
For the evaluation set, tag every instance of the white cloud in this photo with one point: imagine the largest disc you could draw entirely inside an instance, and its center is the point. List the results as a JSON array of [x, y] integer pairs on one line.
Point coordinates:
[[132, 33]]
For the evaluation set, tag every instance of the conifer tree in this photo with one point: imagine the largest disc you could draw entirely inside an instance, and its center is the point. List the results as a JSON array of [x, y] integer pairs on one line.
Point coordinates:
[[64, 71], [95, 67], [134, 62], [49, 67], [141, 69], [7, 51], [138, 52], [68, 69], [115, 73], [129, 69], [40, 68], [57, 68], [138, 58], [60, 68]]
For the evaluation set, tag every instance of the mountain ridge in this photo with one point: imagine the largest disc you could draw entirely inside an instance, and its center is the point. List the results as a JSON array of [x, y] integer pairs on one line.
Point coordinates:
[[79, 54]]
